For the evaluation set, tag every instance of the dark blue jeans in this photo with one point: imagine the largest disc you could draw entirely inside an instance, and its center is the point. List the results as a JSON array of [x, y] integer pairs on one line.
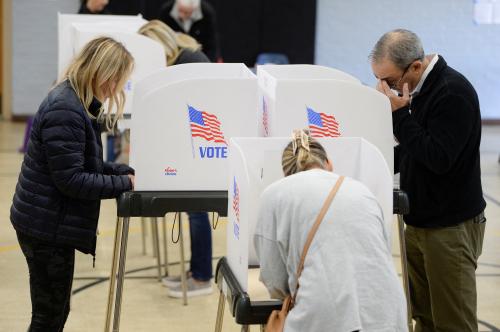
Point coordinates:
[[201, 246]]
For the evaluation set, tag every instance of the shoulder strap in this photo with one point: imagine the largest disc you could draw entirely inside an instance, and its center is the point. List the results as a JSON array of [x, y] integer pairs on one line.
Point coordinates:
[[314, 229]]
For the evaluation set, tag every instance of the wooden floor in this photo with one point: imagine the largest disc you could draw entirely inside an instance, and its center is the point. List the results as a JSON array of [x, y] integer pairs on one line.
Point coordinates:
[[146, 306]]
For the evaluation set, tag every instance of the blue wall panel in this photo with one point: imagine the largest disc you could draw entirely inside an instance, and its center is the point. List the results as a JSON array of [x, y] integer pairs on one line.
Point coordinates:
[[347, 30]]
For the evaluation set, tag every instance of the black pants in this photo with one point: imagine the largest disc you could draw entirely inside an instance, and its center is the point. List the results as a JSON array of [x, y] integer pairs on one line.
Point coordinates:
[[51, 275]]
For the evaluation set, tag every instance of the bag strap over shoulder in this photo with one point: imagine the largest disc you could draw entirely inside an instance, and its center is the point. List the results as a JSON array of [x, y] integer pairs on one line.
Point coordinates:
[[314, 229]]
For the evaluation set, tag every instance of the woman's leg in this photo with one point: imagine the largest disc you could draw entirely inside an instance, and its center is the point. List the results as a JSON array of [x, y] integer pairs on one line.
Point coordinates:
[[201, 246], [51, 276]]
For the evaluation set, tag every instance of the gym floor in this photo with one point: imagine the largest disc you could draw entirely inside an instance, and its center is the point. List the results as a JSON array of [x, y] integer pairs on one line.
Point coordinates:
[[146, 306]]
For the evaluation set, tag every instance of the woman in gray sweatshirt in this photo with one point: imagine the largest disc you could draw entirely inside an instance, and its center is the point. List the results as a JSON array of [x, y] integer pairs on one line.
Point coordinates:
[[349, 282]]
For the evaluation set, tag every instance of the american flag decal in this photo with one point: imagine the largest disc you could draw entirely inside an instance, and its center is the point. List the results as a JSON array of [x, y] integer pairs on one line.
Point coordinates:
[[205, 125], [265, 117], [236, 200], [322, 125]]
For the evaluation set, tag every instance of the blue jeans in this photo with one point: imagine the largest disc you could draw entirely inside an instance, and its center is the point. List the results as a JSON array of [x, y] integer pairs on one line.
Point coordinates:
[[201, 246]]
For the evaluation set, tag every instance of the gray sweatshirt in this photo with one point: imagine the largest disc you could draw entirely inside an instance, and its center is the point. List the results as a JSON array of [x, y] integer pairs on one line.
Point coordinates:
[[349, 282]]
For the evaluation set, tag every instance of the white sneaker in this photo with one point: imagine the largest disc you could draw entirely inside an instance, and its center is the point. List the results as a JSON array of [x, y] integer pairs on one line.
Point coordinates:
[[173, 281], [194, 288]]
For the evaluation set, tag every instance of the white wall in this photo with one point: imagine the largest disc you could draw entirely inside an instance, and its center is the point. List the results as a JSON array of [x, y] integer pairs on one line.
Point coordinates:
[[347, 30]]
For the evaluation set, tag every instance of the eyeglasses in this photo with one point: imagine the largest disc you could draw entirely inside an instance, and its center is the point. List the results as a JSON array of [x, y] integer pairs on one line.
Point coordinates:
[[394, 85]]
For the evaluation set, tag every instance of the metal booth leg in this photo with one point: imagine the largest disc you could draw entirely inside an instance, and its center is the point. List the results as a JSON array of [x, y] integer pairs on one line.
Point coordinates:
[[165, 245], [143, 233], [220, 312], [121, 274], [156, 240], [404, 269], [153, 237], [183, 262], [112, 277], [245, 328]]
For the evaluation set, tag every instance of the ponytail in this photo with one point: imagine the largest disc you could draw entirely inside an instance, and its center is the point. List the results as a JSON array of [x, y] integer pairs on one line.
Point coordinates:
[[303, 153]]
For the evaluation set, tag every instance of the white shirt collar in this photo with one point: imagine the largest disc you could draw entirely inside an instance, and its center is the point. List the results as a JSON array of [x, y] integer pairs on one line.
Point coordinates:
[[429, 68], [186, 24]]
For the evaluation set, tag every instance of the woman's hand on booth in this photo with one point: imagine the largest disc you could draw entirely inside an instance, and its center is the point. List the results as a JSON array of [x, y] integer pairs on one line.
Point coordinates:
[[132, 180]]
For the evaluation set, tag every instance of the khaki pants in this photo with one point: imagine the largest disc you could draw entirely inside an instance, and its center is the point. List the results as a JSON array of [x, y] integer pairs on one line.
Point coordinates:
[[442, 266]]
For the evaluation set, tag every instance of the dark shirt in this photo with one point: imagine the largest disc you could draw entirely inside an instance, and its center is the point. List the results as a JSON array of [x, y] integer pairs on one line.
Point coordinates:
[[204, 30], [438, 152], [188, 56]]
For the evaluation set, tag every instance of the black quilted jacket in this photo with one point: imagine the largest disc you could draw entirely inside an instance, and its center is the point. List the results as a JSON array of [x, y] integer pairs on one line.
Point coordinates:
[[63, 176]]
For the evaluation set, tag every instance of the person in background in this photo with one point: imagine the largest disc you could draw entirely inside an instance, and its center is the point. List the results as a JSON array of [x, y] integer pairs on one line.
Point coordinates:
[[63, 178], [94, 7], [437, 122], [181, 48], [196, 18], [349, 282]]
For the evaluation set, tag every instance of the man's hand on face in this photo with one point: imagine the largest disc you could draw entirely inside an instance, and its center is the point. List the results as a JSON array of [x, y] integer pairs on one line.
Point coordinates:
[[397, 102]]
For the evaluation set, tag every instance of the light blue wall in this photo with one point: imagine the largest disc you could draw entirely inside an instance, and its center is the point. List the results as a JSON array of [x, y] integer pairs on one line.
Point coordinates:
[[34, 50], [347, 30]]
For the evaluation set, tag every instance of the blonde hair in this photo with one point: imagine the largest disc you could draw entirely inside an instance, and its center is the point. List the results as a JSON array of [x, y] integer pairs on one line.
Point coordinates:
[[173, 42], [101, 63], [303, 153]]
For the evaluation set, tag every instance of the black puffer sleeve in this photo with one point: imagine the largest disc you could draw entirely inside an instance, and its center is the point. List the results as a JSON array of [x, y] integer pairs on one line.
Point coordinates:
[[117, 169], [64, 136]]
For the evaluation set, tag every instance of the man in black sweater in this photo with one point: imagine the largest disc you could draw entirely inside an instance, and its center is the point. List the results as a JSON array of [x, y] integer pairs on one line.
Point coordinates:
[[197, 19], [437, 122]]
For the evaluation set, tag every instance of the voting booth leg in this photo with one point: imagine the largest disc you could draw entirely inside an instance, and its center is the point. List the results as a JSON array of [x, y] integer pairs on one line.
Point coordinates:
[[112, 277], [156, 239], [183, 262], [121, 274], [153, 238], [143, 235], [404, 269], [220, 312], [165, 245], [245, 328]]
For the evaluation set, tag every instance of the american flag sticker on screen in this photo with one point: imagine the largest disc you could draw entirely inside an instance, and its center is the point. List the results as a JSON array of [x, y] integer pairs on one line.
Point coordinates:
[[265, 117], [236, 208], [322, 124], [205, 125]]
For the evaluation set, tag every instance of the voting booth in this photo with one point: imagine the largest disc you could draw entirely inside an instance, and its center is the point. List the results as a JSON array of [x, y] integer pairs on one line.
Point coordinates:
[[328, 106], [149, 55], [183, 119], [255, 163], [67, 34]]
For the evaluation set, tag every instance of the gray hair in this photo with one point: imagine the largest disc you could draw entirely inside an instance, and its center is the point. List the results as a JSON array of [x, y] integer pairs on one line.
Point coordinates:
[[400, 46]]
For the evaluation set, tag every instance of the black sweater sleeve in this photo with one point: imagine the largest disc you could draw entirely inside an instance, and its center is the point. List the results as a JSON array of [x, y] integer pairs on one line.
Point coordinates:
[[449, 127], [63, 136]]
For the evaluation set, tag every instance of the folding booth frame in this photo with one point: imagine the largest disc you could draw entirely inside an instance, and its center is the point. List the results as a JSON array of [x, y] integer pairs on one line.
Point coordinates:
[[152, 204]]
